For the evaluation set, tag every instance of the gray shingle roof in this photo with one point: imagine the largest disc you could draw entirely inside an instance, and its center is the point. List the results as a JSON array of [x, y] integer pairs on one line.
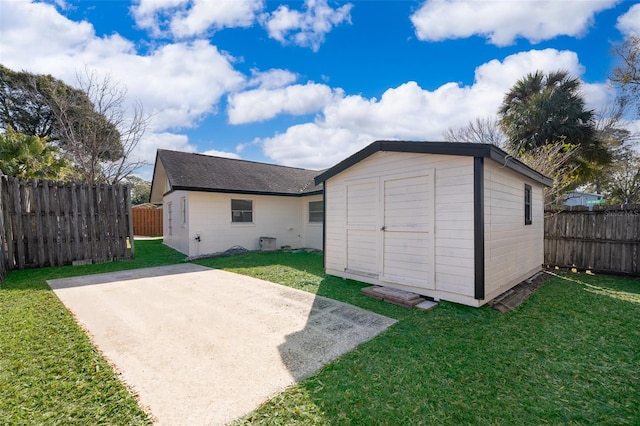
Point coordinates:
[[198, 172]]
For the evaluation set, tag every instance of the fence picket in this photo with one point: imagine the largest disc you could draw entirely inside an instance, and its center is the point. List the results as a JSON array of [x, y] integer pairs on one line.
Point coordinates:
[[45, 223], [147, 221], [605, 239]]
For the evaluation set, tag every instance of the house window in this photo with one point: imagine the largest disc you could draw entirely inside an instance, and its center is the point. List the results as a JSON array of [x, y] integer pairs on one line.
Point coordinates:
[[183, 210], [527, 204], [242, 211], [169, 219], [315, 211]]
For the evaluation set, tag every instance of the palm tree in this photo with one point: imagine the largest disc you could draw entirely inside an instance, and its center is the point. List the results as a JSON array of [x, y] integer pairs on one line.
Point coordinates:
[[542, 109]]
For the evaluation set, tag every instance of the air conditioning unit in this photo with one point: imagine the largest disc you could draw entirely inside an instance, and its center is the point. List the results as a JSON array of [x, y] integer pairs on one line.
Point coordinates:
[[267, 244]]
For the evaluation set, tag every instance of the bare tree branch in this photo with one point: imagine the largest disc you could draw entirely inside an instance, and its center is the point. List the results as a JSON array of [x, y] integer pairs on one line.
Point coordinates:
[[481, 130], [99, 132]]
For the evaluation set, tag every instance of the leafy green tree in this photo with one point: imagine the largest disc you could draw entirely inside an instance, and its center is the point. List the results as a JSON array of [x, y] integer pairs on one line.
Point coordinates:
[[539, 109], [24, 103], [31, 157], [44, 106], [622, 185], [140, 189]]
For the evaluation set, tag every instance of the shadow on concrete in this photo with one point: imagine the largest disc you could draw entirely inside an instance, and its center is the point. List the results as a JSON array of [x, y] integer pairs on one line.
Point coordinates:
[[125, 275], [332, 329]]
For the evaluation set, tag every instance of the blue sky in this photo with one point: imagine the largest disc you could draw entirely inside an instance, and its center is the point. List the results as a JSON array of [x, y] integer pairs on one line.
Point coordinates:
[[307, 83]]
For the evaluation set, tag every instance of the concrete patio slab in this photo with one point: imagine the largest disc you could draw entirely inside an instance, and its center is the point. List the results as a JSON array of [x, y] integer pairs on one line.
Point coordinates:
[[203, 346]]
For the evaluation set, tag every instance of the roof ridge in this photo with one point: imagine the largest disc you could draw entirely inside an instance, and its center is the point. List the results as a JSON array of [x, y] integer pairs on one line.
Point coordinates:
[[241, 160]]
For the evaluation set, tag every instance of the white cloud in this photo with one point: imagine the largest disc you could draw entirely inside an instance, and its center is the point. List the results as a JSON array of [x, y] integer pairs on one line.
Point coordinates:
[[629, 23], [410, 112], [307, 28], [178, 96], [271, 79], [317, 146], [36, 38], [263, 104], [504, 21], [189, 18], [224, 154]]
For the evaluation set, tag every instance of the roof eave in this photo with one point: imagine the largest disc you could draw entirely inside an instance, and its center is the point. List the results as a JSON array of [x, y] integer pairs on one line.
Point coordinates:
[[467, 149], [243, 191]]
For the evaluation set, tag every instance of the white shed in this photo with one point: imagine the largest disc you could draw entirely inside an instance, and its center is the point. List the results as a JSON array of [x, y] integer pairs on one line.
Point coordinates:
[[461, 222]]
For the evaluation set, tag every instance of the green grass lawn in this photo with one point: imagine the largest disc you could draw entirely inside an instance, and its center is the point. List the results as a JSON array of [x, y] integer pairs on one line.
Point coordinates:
[[50, 373], [569, 355]]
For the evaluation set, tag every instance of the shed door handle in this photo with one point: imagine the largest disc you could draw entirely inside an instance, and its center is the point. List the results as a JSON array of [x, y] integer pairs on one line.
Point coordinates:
[[384, 228]]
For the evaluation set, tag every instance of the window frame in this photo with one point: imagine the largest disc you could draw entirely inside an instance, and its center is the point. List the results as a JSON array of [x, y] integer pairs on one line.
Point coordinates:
[[316, 211], [528, 204], [242, 212]]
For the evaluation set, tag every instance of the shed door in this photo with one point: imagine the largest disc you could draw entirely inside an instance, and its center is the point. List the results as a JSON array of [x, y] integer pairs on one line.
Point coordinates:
[[408, 240], [362, 201]]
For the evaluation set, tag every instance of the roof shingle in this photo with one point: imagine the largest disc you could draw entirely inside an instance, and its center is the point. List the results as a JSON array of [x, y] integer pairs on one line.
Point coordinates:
[[198, 172]]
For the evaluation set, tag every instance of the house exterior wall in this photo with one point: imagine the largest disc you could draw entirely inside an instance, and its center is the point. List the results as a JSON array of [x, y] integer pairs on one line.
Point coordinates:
[[209, 217], [312, 231], [175, 226], [513, 251], [452, 237]]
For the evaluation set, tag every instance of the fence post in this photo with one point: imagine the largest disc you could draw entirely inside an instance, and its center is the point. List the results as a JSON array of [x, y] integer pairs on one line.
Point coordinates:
[[3, 254]]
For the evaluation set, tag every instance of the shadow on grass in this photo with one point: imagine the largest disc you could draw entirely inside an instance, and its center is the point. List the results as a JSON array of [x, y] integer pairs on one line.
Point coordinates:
[[569, 354]]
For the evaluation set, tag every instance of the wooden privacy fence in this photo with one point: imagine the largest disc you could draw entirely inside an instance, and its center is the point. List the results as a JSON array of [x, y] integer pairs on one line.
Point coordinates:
[[49, 223], [605, 239], [147, 221]]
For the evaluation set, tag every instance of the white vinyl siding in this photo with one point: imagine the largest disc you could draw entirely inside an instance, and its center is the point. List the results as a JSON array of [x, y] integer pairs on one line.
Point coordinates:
[[361, 233], [512, 249], [335, 254]]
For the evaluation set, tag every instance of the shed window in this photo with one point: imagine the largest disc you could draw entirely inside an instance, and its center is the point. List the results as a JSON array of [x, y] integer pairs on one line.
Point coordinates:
[[316, 211], [242, 211], [527, 204]]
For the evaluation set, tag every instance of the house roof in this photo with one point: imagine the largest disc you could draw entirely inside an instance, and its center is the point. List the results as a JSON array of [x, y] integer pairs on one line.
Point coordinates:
[[206, 173], [443, 148]]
